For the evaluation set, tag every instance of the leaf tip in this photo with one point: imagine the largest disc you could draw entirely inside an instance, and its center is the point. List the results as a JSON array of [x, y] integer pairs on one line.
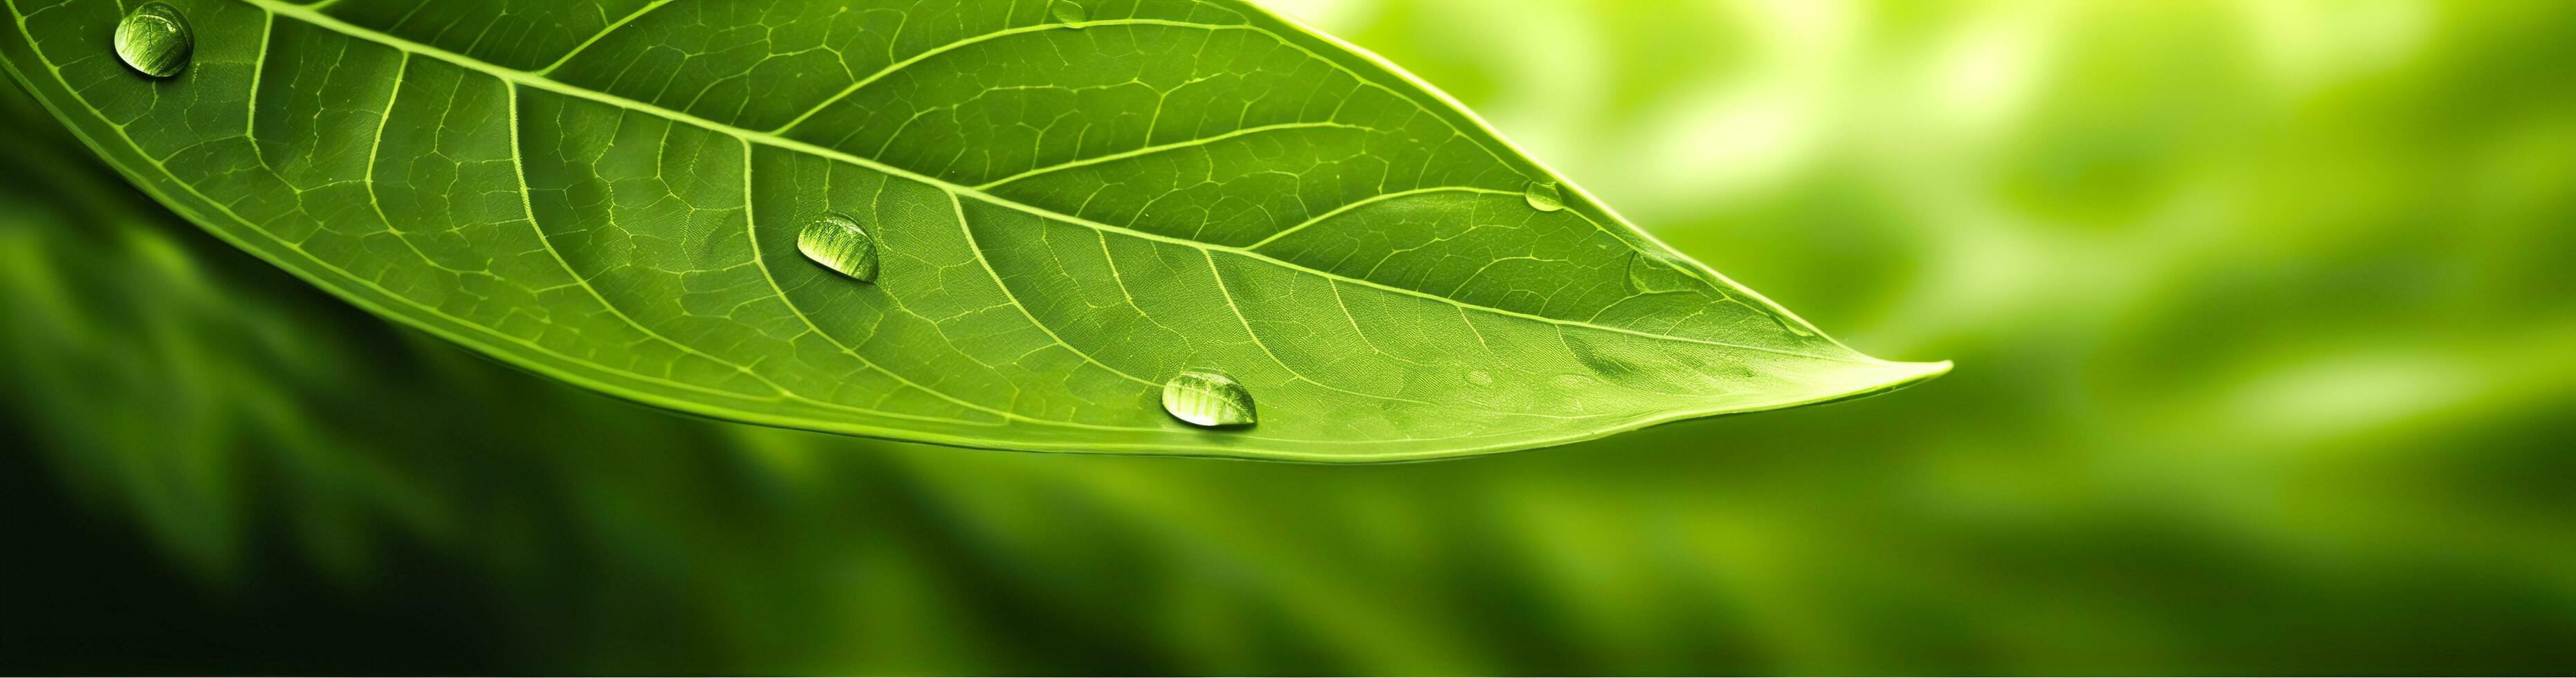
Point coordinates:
[[1868, 378], [1897, 375]]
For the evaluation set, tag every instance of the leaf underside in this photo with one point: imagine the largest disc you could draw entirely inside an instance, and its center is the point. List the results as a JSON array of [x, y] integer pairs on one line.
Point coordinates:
[[609, 192]]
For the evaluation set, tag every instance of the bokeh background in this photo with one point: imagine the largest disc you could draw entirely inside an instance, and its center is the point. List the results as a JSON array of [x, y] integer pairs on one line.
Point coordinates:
[[2264, 314]]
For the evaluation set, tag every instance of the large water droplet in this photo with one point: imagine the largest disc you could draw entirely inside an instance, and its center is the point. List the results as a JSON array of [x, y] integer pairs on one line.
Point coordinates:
[[1207, 399], [1544, 196], [1070, 12], [838, 242], [155, 40]]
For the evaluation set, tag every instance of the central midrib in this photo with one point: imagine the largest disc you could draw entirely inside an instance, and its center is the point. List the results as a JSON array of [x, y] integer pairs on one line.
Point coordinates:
[[525, 78]]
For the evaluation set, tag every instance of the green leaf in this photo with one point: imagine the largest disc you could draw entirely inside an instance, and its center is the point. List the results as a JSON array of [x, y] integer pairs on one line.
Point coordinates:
[[1070, 205]]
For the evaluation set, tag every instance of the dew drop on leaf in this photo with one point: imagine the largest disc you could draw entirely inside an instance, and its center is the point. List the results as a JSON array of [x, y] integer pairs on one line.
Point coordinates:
[[1792, 327], [1544, 196], [155, 40], [837, 242], [1069, 12], [1207, 399], [1654, 273]]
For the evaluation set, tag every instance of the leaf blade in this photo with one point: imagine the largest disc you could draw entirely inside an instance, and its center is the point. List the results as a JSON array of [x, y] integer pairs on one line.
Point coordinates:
[[654, 254]]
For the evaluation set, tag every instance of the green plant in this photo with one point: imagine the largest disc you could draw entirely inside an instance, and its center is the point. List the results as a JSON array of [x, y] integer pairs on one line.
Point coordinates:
[[1029, 219]]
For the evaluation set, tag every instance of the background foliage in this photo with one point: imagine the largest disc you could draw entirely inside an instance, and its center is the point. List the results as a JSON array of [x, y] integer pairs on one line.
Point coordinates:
[[2262, 309]]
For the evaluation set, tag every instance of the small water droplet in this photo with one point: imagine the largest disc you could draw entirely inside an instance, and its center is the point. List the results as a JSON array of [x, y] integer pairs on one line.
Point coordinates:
[[1791, 326], [1650, 273], [1207, 399], [155, 40], [1480, 378], [1607, 360], [838, 242], [1544, 196], [1069, 12]]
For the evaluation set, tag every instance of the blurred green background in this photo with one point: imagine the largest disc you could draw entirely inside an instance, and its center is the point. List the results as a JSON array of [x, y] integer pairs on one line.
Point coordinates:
[[2264, 312]]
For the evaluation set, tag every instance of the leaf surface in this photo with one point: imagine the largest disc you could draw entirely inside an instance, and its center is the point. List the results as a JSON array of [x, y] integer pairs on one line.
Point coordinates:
[[1071, 205]]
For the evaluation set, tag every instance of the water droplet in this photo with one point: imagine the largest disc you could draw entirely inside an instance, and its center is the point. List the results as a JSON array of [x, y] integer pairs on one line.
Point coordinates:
[[1791, 325], [838, 242], [155, 40], [1069, 12], [1207, 399], [1608, 360], [1544, 196], [1649, 273]]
